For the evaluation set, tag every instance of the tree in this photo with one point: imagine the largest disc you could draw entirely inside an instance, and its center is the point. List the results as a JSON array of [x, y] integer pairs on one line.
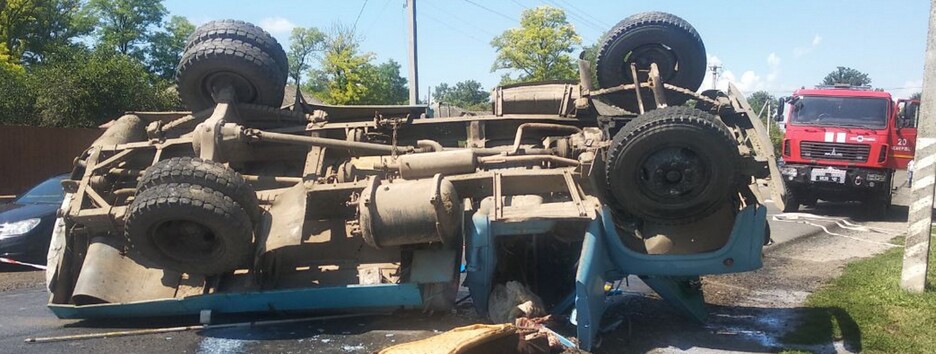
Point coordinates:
[[846, 75], [386, 85], [759, 99], [92, 88], [126, 25], [16, 99], [916, 95], [304, 43], [32, 30], [465, 94], [539, 49], [167, 45], [345, 70]]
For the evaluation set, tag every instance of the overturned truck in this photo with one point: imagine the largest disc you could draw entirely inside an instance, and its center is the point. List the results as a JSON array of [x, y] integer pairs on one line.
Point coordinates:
[[243, 206]]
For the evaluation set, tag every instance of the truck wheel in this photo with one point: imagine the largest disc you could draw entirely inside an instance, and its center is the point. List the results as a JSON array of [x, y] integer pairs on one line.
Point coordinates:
[[190, 229], [810, 201], [243, 31], [205, 173], [791, 202], [216, 63], [878, 206], [672, 165], [645, 38]]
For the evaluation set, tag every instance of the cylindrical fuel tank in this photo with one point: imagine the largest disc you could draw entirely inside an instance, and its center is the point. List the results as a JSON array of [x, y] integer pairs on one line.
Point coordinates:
[[409, 212]]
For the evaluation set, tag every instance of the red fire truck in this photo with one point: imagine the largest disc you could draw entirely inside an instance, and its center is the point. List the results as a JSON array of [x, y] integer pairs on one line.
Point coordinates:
[[843, 143]]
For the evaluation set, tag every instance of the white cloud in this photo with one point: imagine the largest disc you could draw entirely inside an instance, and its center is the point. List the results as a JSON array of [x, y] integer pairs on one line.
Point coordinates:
[[748, 81], [799, 52], [773, 62], [773, 59], [277, 25]]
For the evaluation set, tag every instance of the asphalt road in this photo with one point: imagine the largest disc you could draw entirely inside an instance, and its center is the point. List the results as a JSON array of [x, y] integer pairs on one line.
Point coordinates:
[[742, 320]]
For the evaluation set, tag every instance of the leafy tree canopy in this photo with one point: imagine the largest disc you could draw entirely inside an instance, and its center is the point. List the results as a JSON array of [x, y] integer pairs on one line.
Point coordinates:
[[304, 44], [465, 94], [167, 45], [539, 49], [126, 25], [32, 30], [92, 88], [759, 99], [846, 75]]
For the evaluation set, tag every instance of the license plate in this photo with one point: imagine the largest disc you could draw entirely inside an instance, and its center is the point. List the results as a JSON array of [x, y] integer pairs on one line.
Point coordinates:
[[828, 175]]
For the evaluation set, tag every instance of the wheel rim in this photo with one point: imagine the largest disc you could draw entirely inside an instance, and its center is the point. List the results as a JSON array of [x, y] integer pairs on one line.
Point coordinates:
[[243, 89], [645, 55], [186, 241], [673, 176]]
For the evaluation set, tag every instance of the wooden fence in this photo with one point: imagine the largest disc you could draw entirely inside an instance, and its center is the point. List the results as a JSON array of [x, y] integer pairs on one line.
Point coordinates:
[[29, 155]]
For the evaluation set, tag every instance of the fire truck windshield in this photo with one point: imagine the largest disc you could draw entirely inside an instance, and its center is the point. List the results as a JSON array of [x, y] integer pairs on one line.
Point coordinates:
[[840, 111]]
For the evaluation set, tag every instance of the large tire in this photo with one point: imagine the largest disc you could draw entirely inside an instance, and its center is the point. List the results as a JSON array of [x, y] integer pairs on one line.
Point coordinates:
[[190, 229], [205, 173], [672, 165], [791, 202], [877, 206], [212, 64], [645, 38], [243, 31]]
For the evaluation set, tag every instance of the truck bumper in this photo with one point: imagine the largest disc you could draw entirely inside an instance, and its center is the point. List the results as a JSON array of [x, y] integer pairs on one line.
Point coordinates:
[[856, 178]]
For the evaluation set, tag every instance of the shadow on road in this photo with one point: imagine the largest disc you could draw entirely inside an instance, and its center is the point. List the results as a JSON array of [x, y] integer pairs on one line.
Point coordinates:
[[649, 324]]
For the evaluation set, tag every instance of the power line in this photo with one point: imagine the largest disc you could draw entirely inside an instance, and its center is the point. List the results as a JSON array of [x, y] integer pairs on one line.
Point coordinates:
[[379, 13], [353, 28], [586, 13], [491, 11], [454, 16], [446, 25], [583, 20], [519, 4]]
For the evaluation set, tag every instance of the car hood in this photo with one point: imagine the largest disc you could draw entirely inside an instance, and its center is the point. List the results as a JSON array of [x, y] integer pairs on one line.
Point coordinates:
[[16, 212]]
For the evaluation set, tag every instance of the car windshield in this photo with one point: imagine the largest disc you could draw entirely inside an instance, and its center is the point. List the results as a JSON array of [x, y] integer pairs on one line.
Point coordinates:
[[841, 111], [48, 192]]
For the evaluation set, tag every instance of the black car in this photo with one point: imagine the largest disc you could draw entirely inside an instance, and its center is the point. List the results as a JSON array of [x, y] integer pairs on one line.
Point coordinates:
[[26, 223]]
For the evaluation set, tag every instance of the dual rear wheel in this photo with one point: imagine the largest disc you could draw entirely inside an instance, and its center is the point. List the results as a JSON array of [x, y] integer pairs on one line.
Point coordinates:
[[193, 216], [234, 55]]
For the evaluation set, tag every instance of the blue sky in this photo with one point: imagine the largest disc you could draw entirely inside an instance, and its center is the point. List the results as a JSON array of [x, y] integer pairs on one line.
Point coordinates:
[[775, 46]]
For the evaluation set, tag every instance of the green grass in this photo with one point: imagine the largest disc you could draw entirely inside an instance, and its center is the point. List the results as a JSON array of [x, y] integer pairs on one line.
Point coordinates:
[[866, 308]]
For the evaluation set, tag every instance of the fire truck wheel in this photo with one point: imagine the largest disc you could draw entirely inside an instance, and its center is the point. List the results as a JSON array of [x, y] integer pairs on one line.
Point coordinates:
[[791, 202], [190, 229], [205, 173], [645, 38], [878, 206], [810, 201], [672, 165], [243, 31], [215, 64]]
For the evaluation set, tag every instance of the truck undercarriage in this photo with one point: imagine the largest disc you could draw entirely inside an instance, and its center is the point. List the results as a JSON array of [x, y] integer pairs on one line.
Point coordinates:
[[240, 207]]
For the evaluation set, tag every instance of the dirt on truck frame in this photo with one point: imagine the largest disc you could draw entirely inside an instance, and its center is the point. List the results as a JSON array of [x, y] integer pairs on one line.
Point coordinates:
[[242, 206]]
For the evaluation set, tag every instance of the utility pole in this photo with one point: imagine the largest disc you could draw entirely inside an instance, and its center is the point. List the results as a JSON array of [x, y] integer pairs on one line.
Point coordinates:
[[769, 118], [413, 73], [715, 69], [916, 247]]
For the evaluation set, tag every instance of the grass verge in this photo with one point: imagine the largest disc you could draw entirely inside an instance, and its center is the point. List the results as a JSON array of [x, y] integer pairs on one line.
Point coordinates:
[[867, 310]]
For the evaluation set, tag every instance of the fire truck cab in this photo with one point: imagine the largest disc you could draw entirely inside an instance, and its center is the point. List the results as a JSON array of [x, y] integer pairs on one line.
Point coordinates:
[[843, 143]]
